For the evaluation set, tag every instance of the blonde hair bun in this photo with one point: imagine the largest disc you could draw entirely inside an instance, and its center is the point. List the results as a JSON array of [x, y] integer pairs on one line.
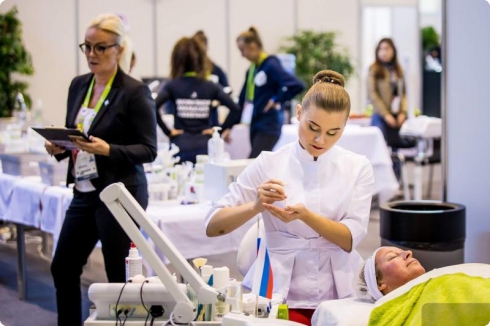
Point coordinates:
[[329, 76]]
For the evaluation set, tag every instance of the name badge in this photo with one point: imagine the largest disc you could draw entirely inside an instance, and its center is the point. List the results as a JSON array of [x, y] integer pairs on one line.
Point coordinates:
[[85, 167], [248, 110]]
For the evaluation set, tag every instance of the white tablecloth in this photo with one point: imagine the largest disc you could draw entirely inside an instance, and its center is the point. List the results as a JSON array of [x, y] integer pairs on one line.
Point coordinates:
[[367, 141], [29, 202], [25, 203], [184, 227]]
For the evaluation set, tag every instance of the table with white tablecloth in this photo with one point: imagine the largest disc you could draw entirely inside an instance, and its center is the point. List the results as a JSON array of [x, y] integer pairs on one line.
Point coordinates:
[[367, 141], [26, 201]]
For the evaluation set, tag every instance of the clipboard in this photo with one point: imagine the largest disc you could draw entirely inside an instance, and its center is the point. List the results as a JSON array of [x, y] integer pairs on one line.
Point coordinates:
[[60, 136]]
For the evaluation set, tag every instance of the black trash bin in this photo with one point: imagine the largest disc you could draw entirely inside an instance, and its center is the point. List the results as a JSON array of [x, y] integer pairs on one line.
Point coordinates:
[[434, 231]]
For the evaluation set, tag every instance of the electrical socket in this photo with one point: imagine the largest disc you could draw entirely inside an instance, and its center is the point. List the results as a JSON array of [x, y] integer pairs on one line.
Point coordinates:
[[135, 311]]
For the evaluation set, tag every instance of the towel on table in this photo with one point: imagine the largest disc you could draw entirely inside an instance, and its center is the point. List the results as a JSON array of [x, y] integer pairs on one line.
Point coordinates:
[[454, 299]]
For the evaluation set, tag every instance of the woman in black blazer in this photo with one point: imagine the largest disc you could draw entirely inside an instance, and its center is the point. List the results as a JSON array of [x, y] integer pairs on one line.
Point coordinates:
[[118, 114]]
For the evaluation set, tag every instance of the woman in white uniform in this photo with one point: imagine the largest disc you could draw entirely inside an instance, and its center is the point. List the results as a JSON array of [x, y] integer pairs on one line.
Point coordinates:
[[315, 200]]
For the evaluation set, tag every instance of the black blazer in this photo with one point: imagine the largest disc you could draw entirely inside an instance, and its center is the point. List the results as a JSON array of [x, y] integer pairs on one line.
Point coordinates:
[[126, 121]]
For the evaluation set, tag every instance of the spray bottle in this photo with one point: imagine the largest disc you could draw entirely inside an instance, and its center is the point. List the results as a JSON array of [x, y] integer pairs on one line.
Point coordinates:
[[134, 263], [216, 146]]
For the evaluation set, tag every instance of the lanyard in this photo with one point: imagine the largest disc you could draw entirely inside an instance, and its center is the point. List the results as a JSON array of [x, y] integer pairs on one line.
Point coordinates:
[[102, 98], [194, 74], [250, 91]]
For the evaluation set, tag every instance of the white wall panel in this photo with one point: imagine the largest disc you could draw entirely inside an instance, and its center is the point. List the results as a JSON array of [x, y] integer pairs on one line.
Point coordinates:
[[343, 17], [140, 18], [50, 39], [274, 20], [467, 124], [179, 18]]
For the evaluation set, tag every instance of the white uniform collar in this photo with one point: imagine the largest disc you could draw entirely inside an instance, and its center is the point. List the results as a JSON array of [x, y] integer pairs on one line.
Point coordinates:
[[305, 156]]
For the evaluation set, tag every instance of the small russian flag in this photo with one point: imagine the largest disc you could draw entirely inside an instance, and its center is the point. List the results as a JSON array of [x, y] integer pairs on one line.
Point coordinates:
[[263, 279]]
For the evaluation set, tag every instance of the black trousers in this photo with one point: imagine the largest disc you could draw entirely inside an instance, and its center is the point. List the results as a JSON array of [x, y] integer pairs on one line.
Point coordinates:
[[261, 141], [87, 221]]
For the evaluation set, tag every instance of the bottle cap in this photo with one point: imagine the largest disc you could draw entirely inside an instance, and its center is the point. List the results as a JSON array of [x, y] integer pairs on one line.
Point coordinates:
[[283, 312]]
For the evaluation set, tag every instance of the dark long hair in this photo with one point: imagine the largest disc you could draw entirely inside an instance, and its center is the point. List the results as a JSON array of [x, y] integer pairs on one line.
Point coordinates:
[[188, 55], [379, 68], [201, 37]]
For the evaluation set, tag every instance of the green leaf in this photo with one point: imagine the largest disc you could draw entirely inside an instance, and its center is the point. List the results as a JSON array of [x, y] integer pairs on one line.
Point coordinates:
[[14, 58]]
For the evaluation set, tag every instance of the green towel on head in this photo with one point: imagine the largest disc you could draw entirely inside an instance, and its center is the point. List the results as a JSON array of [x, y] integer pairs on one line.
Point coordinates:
[[453, 299]]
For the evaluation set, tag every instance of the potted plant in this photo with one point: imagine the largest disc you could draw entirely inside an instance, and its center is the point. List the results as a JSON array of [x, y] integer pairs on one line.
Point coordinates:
[[14, 59], [315, 51]]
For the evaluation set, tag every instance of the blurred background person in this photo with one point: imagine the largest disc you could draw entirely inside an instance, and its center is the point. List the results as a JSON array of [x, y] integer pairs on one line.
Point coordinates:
[[387, 93], [118, 114], [266, 86], [192, 96], [217, 75]]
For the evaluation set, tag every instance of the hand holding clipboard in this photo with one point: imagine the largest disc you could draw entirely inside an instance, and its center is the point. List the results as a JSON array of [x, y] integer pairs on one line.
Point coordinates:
[[70, 139]]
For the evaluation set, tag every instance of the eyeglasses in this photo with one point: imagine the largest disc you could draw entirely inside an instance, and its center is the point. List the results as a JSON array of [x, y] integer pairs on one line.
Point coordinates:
[[99, 49]]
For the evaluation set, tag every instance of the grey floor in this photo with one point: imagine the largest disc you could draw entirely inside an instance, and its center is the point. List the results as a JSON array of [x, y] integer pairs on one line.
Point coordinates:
[[40, 307]]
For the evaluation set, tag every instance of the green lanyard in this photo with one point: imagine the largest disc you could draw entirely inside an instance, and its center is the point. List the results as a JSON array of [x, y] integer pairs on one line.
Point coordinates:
[[190, 74], [250, 91], [101, 100]]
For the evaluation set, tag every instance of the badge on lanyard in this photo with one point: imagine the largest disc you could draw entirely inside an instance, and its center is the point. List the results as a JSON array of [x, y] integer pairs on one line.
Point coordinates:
[[248, 110], [85, 167]]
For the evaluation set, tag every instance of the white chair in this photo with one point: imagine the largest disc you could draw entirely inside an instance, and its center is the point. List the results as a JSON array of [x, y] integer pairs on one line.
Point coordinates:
[[247, 251]]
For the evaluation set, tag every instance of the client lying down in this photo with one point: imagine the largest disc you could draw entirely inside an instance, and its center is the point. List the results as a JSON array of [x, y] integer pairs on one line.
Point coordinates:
[[406, 295]]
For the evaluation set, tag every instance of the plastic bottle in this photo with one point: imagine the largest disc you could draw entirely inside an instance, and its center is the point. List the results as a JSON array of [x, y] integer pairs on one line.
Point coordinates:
[[216, 146], [38, 113], [134, 263], [221, 279]]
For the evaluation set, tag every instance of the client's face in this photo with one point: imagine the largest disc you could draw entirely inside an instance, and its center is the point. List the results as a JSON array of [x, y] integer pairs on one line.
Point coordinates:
[[397, 267]]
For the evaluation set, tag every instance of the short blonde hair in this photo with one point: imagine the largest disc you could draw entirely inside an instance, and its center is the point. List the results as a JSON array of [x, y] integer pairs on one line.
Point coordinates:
[[112, 23]]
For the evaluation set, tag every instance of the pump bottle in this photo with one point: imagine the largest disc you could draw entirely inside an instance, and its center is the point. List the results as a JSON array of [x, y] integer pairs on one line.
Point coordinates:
[[216, 146]]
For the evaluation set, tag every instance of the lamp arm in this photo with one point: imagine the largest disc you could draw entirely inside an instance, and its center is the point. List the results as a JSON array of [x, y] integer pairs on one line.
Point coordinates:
[[125, 208]]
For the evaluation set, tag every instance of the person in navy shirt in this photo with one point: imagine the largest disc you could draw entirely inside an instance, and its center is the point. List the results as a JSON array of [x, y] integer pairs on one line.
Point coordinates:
[[217, 75], [266, 86], [194, 99]]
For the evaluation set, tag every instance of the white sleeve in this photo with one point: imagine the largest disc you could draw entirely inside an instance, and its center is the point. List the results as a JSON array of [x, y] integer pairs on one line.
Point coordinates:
[[243, 190], [357, 215]]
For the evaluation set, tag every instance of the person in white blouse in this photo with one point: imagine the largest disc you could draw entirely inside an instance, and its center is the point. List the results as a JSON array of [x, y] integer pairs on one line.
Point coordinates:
[[315, 201]]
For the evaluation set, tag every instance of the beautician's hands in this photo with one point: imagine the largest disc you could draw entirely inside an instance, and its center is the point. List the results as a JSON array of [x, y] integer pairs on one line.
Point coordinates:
[[289, 213], [94, 146], [176, 132], [268, 193], [53, 149]]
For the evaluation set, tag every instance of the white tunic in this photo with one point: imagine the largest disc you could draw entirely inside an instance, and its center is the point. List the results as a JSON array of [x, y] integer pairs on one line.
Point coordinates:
[[307, 268]]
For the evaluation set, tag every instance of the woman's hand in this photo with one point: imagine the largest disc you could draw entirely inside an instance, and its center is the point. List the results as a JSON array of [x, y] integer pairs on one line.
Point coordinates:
[[268, 193], [271, 104], [390, 120], [289, 213], [53, 149], [207, 132], [226, 135], [94, 146], [401, 119], [176, 132]]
